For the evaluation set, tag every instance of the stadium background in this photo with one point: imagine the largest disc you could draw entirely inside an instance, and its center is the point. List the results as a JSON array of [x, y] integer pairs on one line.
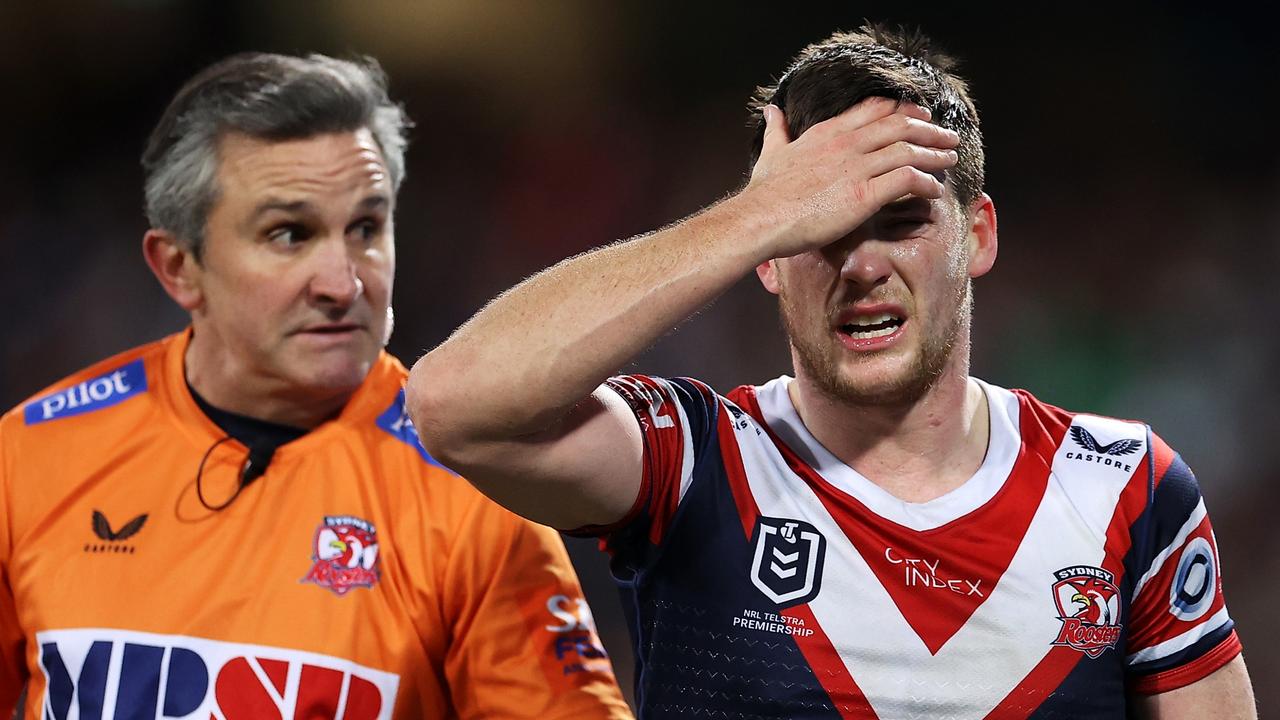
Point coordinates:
[[1130, 151]]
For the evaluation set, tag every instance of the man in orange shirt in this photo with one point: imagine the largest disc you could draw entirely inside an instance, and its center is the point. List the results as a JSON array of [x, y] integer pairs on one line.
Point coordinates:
[[238, 521]]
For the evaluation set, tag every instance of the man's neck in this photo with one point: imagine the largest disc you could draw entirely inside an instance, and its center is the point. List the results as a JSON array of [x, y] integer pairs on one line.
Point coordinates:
[[223, 384], [918, 451]]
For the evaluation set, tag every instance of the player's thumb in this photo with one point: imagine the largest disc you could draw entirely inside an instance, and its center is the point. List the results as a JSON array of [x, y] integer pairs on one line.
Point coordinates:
[[775, 129]]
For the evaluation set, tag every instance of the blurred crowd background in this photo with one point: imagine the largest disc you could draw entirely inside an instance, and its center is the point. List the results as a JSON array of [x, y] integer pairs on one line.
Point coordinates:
[[1131, 153]]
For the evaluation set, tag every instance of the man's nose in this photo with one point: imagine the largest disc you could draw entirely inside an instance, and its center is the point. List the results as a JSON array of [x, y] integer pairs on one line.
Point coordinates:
[[862, 261], [335, 280]]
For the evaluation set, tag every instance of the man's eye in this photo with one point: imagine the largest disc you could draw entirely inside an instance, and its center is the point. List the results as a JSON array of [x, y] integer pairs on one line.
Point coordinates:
[[366, 230], [287, 235], [905, 226]]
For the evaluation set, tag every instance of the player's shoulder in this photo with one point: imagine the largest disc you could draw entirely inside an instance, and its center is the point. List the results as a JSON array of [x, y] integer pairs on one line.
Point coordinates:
[[91, 391], [654, 389], [1077, 423], [1107, 436]]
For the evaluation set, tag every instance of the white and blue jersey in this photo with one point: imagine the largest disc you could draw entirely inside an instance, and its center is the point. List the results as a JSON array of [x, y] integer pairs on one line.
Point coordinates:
[[765, 578]]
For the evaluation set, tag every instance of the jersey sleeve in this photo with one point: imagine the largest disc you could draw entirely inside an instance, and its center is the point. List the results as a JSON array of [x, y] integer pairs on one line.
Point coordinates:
[[523, 643], [12, 645], [677, 420], [1179, 630]]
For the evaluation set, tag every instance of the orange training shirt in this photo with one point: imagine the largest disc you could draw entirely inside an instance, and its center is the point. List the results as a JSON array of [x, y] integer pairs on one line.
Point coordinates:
[[356, 579]]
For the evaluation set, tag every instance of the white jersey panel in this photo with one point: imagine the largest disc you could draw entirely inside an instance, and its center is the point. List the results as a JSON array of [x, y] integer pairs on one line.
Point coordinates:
[[1002, 452]]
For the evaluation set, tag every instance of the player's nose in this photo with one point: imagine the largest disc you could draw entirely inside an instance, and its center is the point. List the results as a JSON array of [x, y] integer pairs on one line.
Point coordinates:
[[865, 263]]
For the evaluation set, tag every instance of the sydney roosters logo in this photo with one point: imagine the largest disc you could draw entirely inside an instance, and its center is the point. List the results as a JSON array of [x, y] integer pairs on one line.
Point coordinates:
[[1088, 605], [345, 555]]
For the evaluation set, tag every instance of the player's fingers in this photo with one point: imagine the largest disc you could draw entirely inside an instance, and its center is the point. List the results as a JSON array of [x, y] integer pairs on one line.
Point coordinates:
[[868, 111], [898, 183], [900, 127], [905, 154]]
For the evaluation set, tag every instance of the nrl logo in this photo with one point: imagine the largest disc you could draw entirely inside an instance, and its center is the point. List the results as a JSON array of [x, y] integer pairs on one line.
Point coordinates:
[[787, 564], [1088, 605]]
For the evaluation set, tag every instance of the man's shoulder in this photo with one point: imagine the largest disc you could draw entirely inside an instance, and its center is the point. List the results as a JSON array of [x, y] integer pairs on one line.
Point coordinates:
[[391, 421], [102, 385], [1056, 413], [1089, 434]]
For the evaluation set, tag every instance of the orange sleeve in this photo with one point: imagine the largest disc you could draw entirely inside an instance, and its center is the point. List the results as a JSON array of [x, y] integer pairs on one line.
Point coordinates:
[[13, 675], [523, 643]]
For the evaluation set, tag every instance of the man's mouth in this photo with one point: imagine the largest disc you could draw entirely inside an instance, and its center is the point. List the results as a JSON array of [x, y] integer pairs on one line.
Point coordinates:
[[331, 328], [871, 327]]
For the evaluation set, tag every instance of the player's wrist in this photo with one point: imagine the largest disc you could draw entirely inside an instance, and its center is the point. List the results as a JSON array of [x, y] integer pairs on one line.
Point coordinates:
[[747, 228]]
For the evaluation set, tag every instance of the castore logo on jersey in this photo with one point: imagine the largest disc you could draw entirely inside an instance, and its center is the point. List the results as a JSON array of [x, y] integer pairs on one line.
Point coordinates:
[[1108, 455], [102, 673], [102, 528]]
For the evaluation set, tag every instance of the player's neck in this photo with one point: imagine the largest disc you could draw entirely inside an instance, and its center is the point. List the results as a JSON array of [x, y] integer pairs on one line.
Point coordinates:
[[916, 451], [226, 385]]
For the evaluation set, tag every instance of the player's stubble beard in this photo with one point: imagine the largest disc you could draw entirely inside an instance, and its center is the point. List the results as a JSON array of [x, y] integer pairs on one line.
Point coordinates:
[[820, 358]]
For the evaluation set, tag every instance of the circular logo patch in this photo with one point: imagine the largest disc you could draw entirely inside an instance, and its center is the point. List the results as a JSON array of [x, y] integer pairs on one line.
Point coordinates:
[[1195, 583]]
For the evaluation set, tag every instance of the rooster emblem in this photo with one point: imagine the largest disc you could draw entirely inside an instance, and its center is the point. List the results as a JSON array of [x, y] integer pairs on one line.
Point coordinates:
[[1092, 596], [1088, 604], [345, 555]]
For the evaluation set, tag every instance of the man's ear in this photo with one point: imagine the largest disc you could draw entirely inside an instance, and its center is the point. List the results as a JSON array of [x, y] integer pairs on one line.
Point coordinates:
[[982, 239], [767, 271], [175, 266]]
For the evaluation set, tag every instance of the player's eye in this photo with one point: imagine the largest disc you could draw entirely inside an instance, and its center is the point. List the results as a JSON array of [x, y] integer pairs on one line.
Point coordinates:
[[902, 227]]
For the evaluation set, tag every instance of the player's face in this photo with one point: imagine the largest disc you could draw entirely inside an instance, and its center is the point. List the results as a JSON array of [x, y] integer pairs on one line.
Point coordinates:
[[298, 262], [876, 317]]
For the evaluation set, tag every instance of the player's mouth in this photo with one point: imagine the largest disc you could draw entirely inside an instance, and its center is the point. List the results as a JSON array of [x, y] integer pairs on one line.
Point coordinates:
[[865, 331]]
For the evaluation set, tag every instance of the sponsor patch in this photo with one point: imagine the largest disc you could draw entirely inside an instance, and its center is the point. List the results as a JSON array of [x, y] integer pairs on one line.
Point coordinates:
[[576, 645], [101, 673], [1088, 605], [94, 394], [1195, 584], [344, 555]]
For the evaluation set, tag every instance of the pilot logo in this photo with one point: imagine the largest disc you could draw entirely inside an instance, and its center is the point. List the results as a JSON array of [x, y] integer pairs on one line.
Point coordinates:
[[102, 528], [345, 555], [1089, 607], [787, 565]]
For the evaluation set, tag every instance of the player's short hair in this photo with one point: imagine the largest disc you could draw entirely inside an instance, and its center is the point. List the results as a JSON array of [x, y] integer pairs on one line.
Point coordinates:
[[830, 76], [265, 96]]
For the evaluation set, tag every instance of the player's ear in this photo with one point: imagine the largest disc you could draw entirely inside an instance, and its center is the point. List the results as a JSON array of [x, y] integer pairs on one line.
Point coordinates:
[[175, 266], [982, 240], [767, 271]]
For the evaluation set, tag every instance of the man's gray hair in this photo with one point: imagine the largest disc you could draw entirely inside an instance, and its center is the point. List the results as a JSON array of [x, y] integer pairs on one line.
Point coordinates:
[[268, 97]]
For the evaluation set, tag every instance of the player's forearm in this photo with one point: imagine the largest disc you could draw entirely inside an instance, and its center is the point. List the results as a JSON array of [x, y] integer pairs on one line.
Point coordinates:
[[524, 361], [543, 346]]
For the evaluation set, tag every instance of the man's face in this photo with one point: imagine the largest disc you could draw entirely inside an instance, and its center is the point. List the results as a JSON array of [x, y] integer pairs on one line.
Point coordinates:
[[298, 260], [875, 317]]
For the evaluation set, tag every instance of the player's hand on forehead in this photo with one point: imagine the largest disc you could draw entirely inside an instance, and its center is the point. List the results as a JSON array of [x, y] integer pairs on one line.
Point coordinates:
[[837, 174]]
